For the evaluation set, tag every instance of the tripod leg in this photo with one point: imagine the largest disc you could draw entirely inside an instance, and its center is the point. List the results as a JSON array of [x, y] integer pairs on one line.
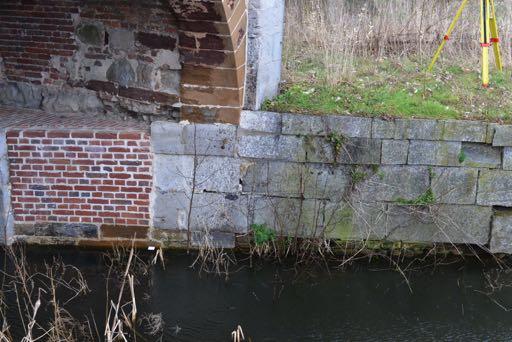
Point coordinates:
[[448, 33], [485, 41], [495, 40]]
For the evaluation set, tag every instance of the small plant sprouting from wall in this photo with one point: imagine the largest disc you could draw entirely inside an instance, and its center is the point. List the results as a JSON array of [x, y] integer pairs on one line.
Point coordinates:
[[358, 176], [262, 234], [462, 157], [336, 140], [426, 198]]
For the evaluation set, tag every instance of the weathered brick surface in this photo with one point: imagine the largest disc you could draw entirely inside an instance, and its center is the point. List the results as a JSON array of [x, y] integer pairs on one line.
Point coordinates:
[[71, 176]]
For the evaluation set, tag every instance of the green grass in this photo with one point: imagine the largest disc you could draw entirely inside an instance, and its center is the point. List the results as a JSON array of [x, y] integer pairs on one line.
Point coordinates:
[[396, 88]]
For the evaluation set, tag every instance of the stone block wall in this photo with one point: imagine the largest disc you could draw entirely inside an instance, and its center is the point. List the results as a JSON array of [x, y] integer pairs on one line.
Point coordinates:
[[341, 177]]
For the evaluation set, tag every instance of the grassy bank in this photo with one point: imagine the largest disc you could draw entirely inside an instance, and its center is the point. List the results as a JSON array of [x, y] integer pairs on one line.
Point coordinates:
[[397, 87], [368, 57]]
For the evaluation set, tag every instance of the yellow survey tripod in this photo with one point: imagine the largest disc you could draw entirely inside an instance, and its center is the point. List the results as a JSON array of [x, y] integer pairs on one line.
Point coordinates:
[[488, 37]]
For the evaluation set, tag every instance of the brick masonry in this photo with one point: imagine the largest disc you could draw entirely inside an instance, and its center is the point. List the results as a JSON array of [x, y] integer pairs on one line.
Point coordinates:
[[146, 58], [90, 177]]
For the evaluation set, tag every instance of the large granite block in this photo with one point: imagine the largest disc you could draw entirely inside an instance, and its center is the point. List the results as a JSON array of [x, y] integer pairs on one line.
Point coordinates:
[[272, 178], [193, 139], [392, 183], [495, 188], [346, 126], [209, 212], [349, 151], [418, 129], [215, 174], [266, 122], [437, 153], [461, 130], [454, 185], [432, 224], [326, 181], [289, 216], [480, 156], [279, 147], [394, 152]]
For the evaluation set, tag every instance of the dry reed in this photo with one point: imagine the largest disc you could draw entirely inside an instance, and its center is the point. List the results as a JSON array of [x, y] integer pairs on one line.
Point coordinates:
[[337, 33]]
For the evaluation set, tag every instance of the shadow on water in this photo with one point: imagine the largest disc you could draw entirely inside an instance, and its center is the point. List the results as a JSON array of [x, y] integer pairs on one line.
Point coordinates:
[[366, 302]]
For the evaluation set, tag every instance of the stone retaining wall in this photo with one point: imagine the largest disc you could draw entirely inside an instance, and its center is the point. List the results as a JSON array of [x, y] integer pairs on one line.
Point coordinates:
[[342, 177]]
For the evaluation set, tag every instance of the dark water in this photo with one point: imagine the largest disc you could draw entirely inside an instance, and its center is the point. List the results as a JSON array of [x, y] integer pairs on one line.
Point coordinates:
[[366, 302]]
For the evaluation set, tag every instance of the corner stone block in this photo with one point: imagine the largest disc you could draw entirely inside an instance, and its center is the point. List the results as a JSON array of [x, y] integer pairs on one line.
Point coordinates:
[[460, 130], [288, 216], [210, 212], [481, 156], [438, 153], [495, 188], [173, 173], [200, 139], [418, 129], [502, 135], [176, 174], [501, 233], [170, 210], [454, 185], [391, 183], [394, 152], [278, 147], [266, 122]]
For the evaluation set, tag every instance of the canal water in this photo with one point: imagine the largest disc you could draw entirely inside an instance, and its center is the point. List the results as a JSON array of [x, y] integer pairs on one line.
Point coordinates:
[[367, 301]]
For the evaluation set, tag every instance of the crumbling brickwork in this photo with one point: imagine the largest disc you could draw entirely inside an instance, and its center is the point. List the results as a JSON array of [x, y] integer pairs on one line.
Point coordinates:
[[139, 58]]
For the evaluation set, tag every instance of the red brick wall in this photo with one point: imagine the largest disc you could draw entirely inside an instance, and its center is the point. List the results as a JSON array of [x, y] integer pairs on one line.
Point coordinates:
[[80, 176], [32, 32]]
